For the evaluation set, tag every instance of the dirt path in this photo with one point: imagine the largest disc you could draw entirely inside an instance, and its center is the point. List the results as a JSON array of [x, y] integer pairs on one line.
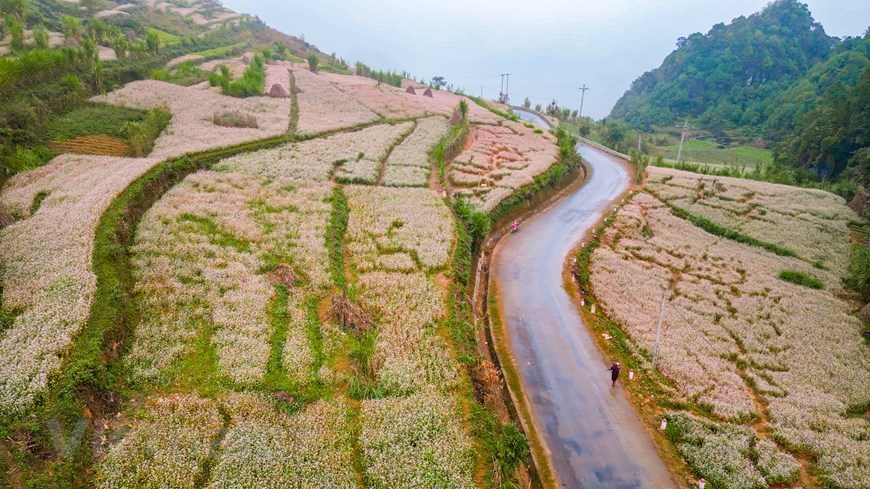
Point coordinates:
[[590, 429]]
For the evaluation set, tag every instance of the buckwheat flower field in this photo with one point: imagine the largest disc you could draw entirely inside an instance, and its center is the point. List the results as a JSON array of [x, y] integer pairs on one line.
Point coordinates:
[[405, 441], [46, 264], [322, 107], [812, 223], [199, 253], [191, 128], [165, 449], [391, 102], [231, 363], [317, 159], [408, 164], [500, 160], [734, 331]]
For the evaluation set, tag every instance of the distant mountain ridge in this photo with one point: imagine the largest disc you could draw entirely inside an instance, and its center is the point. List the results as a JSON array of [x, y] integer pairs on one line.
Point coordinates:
[[775, 75], [725, 77]]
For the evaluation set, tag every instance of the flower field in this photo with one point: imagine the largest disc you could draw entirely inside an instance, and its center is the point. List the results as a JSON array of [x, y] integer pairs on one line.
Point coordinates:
[[499, 160], [322, 107], [235, 367], [45, 264], [191, 128], [395, 103], [199, 254], [408, 164], [735, 334], [812, 223], [415, 442], [257, 447], [394, 237]]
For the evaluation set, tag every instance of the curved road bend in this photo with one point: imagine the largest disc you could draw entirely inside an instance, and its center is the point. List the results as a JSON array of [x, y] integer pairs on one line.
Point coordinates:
[[592, 432]]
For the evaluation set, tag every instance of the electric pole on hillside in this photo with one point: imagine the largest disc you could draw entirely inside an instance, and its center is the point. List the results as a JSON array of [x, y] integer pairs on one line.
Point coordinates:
[[582, 96], [503, 92], [683, 139]]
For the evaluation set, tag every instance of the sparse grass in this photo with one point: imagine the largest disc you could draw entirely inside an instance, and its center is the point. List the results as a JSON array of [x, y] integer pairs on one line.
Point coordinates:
[[91, 119], [338, 220], [709, 153], [800, 278], [166, 39]]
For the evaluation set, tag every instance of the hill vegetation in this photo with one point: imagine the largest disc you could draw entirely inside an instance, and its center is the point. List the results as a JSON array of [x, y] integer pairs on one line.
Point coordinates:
[[774, 77]]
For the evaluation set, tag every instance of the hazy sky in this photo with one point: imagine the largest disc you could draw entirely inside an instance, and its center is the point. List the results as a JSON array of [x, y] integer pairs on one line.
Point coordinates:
[[551, 47]]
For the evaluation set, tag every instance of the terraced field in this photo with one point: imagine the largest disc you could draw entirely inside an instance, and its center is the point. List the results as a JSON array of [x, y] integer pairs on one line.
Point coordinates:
[[759, 340], [292, 302]]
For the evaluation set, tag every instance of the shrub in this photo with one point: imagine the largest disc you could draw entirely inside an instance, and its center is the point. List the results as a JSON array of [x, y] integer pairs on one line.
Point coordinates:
[[143, 134], [312, 62], [249, 85], [801, 278], [858, 278], [23, 159], [234, 119]]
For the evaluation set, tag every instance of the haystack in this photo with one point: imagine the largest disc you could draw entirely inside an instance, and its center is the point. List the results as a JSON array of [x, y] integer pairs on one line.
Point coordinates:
[[456, 118], [428, 93], [277, 91], [350, 315], [410, 90], [282, 275]]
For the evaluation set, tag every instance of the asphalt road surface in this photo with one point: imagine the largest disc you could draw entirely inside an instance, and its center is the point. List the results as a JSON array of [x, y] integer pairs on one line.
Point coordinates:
[[592, 432]]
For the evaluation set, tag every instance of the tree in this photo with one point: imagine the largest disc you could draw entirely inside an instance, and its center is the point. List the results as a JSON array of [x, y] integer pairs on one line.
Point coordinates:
[[538, 107], [72, 27], [437, 82], [120, 46], [463, 110], [527, 103], [152, 42], [40, 37], [313, 61], [16, 33]]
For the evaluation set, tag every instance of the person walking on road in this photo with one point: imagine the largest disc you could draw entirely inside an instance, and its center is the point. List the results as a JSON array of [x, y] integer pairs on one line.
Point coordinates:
[[614, 372]]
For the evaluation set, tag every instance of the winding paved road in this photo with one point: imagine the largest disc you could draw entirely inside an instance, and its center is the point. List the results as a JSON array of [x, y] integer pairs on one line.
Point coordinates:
[[592, 432]]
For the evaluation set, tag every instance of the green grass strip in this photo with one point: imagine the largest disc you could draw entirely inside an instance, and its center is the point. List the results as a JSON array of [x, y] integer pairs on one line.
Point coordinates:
[[335, 236], [721, 231], [800, 278]]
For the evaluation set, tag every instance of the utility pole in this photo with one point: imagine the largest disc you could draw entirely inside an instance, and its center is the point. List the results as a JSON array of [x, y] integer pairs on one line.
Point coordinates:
[[503, 94], [659, 328], [582, 96], [683, 139]]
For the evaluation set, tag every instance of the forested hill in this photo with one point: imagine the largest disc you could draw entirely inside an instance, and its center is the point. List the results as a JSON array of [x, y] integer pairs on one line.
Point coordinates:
[[729, 77]]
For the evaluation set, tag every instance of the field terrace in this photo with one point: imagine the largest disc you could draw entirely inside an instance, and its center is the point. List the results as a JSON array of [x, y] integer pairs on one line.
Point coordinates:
[[46, 267], [498, 160], [191, 129], [408, 164], [747, 347], [218, 321], [391, 102]]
